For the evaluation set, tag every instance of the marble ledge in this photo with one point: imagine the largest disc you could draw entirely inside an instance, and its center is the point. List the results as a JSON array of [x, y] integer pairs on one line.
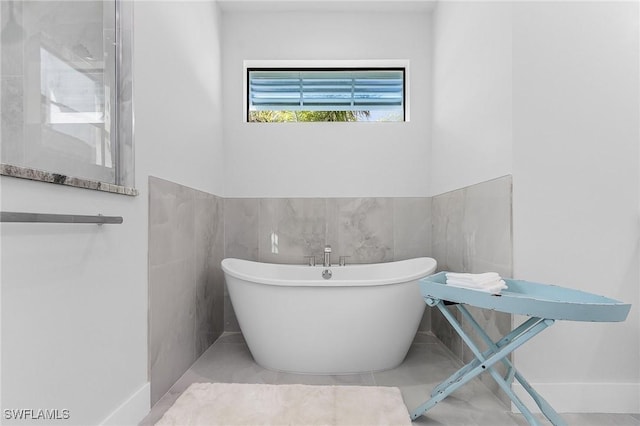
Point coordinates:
[[42, 176]]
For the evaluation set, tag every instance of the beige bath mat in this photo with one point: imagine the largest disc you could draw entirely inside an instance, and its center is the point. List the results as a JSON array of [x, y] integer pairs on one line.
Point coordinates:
[[209, 404]]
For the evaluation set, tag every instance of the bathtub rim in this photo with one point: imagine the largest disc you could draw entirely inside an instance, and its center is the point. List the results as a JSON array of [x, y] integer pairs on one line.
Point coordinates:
[[425, 266]]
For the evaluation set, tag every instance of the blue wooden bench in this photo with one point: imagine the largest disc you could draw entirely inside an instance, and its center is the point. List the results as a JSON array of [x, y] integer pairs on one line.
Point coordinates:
[[543, 303]]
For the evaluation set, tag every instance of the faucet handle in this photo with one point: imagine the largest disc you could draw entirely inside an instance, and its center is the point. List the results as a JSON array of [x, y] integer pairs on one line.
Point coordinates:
[[311, 260], [343, 260]]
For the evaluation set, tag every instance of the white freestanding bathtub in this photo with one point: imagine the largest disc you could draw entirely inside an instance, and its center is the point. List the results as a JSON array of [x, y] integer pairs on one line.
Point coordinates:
[[363, 318]]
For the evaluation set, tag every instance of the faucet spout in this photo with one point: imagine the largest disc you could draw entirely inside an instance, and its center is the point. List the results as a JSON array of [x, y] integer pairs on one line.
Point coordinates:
[[327, 256]]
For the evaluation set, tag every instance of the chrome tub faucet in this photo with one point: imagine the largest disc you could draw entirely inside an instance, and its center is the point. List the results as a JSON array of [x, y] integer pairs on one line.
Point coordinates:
[[327, 256], [311, 260]]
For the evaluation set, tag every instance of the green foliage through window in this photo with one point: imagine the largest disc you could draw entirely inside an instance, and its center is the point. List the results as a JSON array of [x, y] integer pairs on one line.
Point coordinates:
[[306, 116]]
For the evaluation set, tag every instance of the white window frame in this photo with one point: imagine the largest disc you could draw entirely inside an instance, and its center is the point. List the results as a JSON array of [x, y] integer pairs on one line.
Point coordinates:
[[324, 63]]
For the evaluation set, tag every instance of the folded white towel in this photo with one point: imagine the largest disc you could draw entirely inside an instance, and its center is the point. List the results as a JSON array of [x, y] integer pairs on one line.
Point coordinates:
[[483, 278], [489, 282], [494, 288], [471, 284]]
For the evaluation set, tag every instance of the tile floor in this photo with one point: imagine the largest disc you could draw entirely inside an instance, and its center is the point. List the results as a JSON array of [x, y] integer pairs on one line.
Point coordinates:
[[427, 364]]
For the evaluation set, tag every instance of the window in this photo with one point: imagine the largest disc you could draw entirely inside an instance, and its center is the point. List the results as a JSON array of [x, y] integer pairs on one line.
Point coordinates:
[[325, 94], [69, 114]]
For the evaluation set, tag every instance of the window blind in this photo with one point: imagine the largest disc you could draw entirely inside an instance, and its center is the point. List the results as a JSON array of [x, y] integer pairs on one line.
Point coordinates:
[[326, 90]]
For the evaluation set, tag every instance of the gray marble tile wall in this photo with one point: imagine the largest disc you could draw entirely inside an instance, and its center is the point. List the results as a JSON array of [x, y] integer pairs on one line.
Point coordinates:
[[190, 232], [472, 232], [284, 230], [186, 285]]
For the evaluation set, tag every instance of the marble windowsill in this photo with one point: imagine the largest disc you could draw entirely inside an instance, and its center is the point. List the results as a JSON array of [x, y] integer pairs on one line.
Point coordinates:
[[42, 176]]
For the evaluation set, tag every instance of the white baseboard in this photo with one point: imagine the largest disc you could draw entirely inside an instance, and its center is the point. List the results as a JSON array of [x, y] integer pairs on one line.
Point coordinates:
[[584, 397], [133, 410]]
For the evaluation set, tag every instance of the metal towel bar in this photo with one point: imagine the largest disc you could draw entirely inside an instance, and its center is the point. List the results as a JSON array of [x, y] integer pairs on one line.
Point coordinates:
[[57, 218]]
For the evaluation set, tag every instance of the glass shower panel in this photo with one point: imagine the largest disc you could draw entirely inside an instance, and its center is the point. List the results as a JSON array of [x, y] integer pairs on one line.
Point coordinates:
[[59, 87]]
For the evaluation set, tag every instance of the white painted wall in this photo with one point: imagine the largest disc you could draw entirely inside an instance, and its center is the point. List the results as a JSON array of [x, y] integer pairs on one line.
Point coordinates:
[[326, 159], [74, 297], [549, 91], [472, 118], [576, 122], [178, 92]]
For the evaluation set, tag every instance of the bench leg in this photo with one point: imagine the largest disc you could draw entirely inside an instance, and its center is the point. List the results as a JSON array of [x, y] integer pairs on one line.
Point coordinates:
[[484, 361], [545, 407], [506, 339]]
